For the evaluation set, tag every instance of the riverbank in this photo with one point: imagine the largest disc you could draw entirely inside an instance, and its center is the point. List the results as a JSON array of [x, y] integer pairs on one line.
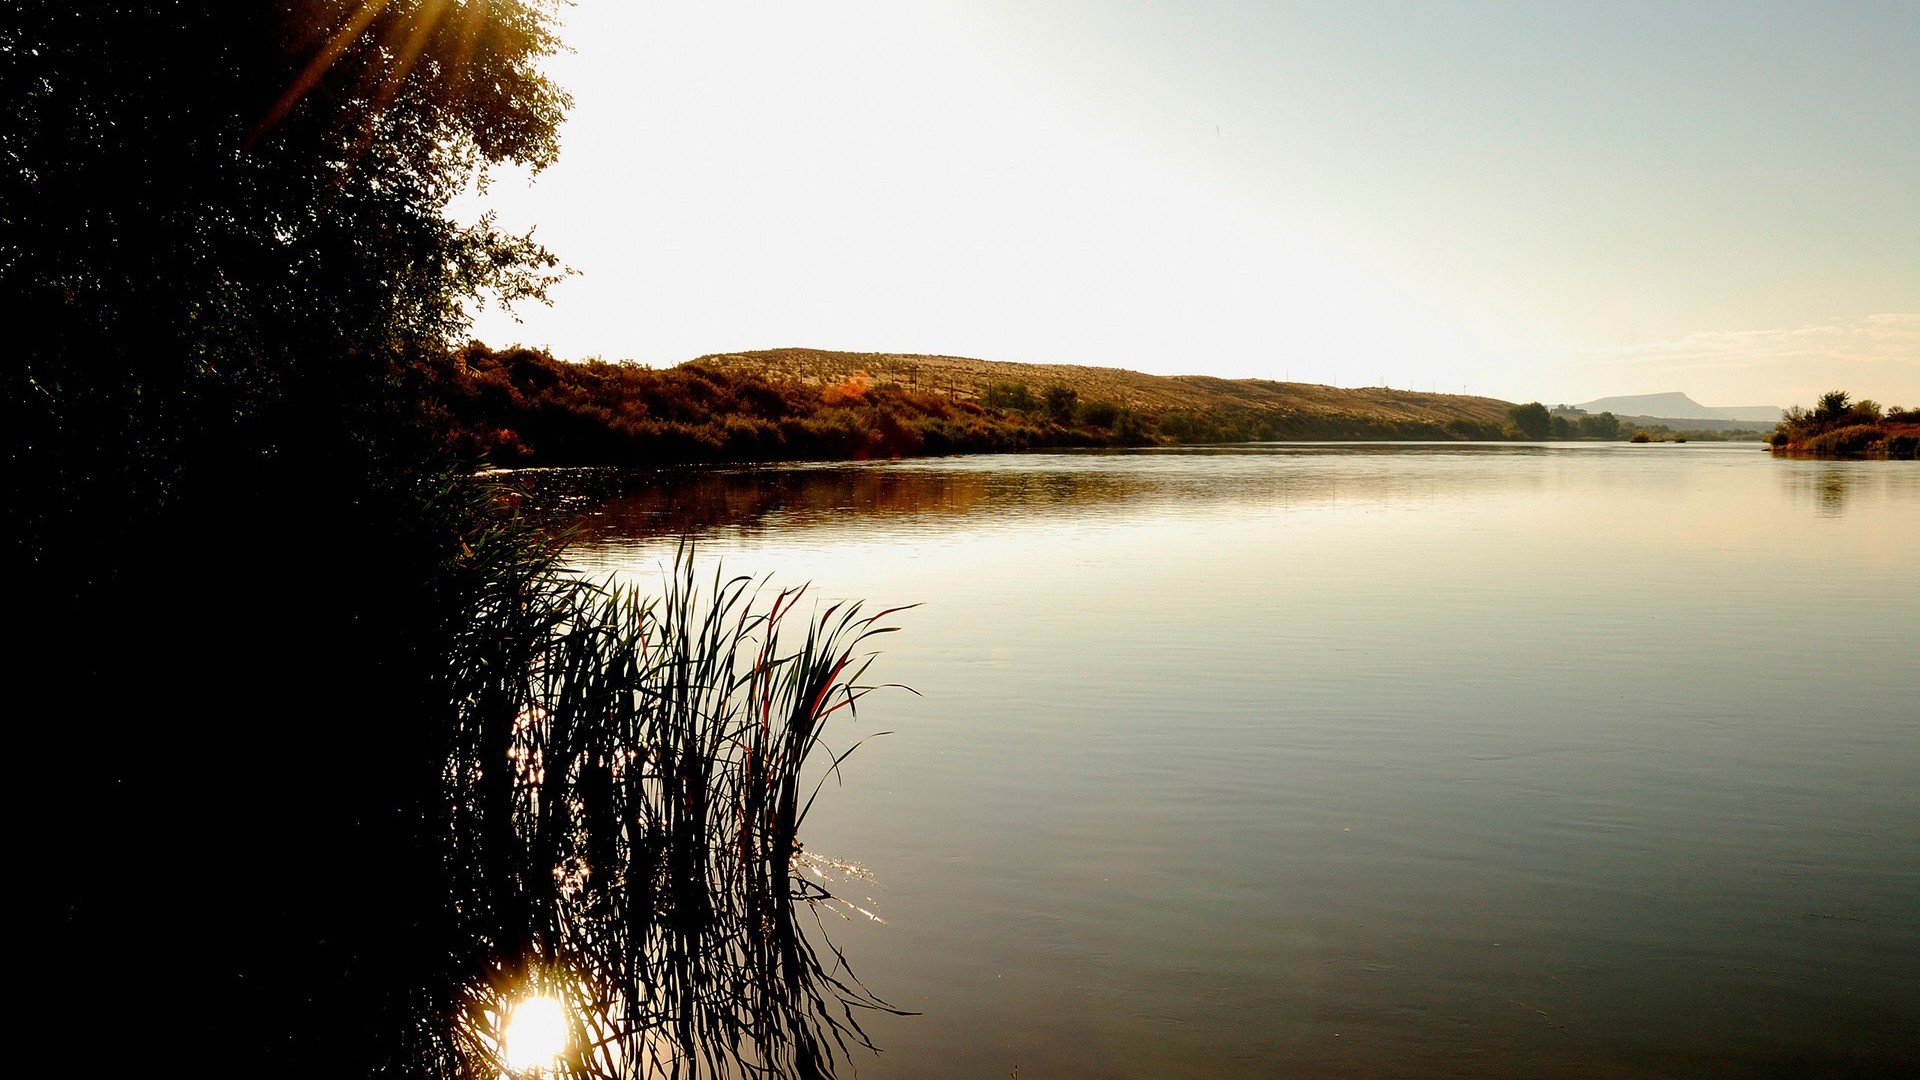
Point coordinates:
[[519, 407], [1891, 442], [1839, 427]]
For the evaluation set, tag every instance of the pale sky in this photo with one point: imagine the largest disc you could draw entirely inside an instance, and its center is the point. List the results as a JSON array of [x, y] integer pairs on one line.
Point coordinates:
[[1554, 201]]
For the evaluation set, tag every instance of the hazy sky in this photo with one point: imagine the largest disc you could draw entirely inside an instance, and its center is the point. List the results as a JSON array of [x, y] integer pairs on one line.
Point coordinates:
[[1552, 200]]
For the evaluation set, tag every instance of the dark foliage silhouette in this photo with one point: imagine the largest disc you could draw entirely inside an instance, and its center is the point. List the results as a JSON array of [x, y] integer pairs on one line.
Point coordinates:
[[253, 578]]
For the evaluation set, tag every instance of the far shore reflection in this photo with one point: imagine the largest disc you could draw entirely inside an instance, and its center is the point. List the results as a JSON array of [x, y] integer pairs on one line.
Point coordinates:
[[608, 505]]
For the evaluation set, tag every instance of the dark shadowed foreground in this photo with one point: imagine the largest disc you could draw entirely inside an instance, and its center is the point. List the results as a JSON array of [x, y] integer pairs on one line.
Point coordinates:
[[318, 760]]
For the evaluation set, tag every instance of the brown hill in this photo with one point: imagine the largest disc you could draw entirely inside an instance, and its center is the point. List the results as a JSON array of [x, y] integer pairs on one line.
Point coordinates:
[[523, 407], [1309, 406]]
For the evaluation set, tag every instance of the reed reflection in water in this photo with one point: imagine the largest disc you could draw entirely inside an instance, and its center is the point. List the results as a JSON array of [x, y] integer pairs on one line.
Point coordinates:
[[625, 786]]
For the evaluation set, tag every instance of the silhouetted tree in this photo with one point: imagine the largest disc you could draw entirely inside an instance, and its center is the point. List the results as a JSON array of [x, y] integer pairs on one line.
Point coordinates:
[[224, 245], [223, 217], [1832, 405]]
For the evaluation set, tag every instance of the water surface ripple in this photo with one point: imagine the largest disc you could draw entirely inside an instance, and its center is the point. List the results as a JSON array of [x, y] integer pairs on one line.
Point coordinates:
[[1362, 761]]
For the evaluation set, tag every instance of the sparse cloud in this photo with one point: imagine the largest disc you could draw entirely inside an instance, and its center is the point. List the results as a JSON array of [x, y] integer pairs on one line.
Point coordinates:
[[1877, 355]]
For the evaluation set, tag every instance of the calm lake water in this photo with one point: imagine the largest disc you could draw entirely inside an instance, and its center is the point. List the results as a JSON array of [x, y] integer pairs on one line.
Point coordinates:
[[1361, 761]]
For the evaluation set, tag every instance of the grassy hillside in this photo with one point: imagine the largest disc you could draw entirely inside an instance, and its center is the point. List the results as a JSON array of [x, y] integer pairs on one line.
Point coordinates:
[[523, 407], [1307, 409]]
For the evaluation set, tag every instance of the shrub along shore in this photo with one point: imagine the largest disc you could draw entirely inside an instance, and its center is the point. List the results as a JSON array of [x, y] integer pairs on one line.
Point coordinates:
[[1839, 427], [521, 406]]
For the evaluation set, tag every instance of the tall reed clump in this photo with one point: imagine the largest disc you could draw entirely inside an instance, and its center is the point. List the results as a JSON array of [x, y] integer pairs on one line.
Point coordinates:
[[624, 782]]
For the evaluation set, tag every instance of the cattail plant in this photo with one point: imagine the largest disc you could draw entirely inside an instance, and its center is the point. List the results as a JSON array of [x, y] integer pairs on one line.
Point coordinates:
[[625, 777]]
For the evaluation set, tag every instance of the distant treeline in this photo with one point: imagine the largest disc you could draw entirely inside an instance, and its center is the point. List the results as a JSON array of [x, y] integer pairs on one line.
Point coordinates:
[[1644, 433], [1570, 423], [1840, 427], [523, 407]]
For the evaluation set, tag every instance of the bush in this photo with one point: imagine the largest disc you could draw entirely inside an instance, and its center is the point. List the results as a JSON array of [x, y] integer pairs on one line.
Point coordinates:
[[1131, 429], [1531, 420], [1185, 427], [1059, 402], [1100, 414], [1604, 426], [1845, 442], [1005, 396]]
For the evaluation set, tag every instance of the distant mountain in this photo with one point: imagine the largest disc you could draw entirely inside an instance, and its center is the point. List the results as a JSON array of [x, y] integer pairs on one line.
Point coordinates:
[[1679, 406]]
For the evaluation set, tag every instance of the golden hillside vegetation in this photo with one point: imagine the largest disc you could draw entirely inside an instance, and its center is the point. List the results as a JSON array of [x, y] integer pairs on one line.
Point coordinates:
[[967, 379]]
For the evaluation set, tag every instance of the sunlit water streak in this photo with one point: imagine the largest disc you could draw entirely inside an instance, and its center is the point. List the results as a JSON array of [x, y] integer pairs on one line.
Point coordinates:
[[1402, 761]]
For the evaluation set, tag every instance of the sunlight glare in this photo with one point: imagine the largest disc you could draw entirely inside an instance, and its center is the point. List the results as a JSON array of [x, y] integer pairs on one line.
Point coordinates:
[[535, 1034]]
